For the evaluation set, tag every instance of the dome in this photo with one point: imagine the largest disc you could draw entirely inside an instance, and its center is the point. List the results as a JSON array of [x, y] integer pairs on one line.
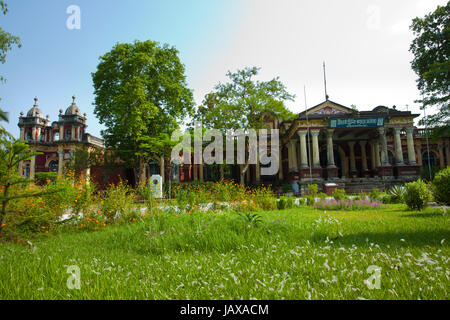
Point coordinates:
[[73, 109], [35, 111]]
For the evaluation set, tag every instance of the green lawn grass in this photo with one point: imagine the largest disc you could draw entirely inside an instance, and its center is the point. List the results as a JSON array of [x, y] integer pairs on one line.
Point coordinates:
[[300, 253]]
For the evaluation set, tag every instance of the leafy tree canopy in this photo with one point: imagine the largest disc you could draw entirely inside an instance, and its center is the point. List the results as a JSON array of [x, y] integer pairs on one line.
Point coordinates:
[[140, 95], [242, 102], [431, 49]]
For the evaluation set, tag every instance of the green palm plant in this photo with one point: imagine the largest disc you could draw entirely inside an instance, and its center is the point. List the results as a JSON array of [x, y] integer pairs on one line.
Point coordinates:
[[397, 193]]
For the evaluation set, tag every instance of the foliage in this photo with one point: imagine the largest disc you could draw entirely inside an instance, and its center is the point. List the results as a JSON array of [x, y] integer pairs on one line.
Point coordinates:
[[425, 172], [313, 189], [417, 195], [141, 97], [12, 152], [82, 159], [117, 203], [242, 103], [397, 193], [286, 187], [374, 194], [431, 50], [294, 252], [441, 185], [346, 205], [251, 218], [339, 194]]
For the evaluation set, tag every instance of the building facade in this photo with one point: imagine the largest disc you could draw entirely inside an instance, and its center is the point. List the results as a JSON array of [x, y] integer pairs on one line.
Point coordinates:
[[57, 140], [357, 150]]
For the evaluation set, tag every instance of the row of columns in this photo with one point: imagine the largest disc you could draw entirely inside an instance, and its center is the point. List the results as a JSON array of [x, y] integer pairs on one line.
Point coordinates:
[[379, 155]]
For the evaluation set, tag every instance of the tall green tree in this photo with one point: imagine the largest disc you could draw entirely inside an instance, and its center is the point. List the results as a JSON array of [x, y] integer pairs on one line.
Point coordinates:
[[242, 102], [7, 42], [141, 97], [431, 49], [11, 153]]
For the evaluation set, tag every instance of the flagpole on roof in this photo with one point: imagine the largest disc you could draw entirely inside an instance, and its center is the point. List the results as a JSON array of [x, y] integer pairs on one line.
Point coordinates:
[[307, 135], [426, 135], [325, 81]]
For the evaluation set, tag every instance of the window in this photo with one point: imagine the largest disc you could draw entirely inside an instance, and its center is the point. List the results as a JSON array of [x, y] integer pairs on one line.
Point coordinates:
[[68, 134]]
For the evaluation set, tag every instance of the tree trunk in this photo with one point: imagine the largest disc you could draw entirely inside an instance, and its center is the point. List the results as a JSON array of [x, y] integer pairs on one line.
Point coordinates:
[[221, 168], [3, 212]]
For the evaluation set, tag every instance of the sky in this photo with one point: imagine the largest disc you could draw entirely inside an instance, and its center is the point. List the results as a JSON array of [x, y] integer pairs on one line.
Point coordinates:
[[365, 44]]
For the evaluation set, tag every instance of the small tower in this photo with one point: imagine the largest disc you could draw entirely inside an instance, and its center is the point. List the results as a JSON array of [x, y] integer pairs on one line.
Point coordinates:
[[71, 124], [32, 126]]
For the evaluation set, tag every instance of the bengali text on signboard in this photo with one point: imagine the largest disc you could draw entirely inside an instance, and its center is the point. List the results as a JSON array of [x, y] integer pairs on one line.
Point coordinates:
[[356, 123]]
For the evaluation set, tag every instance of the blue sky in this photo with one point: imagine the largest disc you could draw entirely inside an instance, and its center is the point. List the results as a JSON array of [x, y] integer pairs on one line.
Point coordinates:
[[365, 45]]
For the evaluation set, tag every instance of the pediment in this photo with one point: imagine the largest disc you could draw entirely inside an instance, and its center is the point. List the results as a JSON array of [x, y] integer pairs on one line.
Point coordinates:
[[329, 108]]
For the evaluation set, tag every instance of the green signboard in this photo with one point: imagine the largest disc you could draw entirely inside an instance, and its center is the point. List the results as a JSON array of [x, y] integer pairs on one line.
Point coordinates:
[[356, 123]]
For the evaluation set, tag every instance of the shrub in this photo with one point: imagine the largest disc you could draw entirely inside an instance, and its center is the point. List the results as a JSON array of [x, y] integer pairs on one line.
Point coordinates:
[[387, 198], [313, 189], [397, 193], [441, 185], [417, 194], [285, 188], [322, 196], [374, 194], [285, 203], [339, 194], [117, 202]]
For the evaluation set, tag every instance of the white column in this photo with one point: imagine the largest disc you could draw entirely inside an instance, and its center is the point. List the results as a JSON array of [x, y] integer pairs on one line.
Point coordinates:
[[410, 143], [377, 154], [22, 133], [384, 152], [315, 147], [303, 151], [363, 155], [330, 150], [292, 156], [61, 133], [372, 155], [398, 147], [351, 145], [72, 133], [33, 133]]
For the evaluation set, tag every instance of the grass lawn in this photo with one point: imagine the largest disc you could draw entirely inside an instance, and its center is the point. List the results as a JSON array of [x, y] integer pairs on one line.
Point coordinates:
[[300, 253]]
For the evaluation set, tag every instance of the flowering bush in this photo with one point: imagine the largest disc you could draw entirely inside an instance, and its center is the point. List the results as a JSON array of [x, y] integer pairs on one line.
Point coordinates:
[[346, 205], [117, 202]]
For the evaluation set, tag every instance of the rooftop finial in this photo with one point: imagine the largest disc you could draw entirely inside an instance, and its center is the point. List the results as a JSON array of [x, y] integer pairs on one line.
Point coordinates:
[[35, 101], [73, 97]]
